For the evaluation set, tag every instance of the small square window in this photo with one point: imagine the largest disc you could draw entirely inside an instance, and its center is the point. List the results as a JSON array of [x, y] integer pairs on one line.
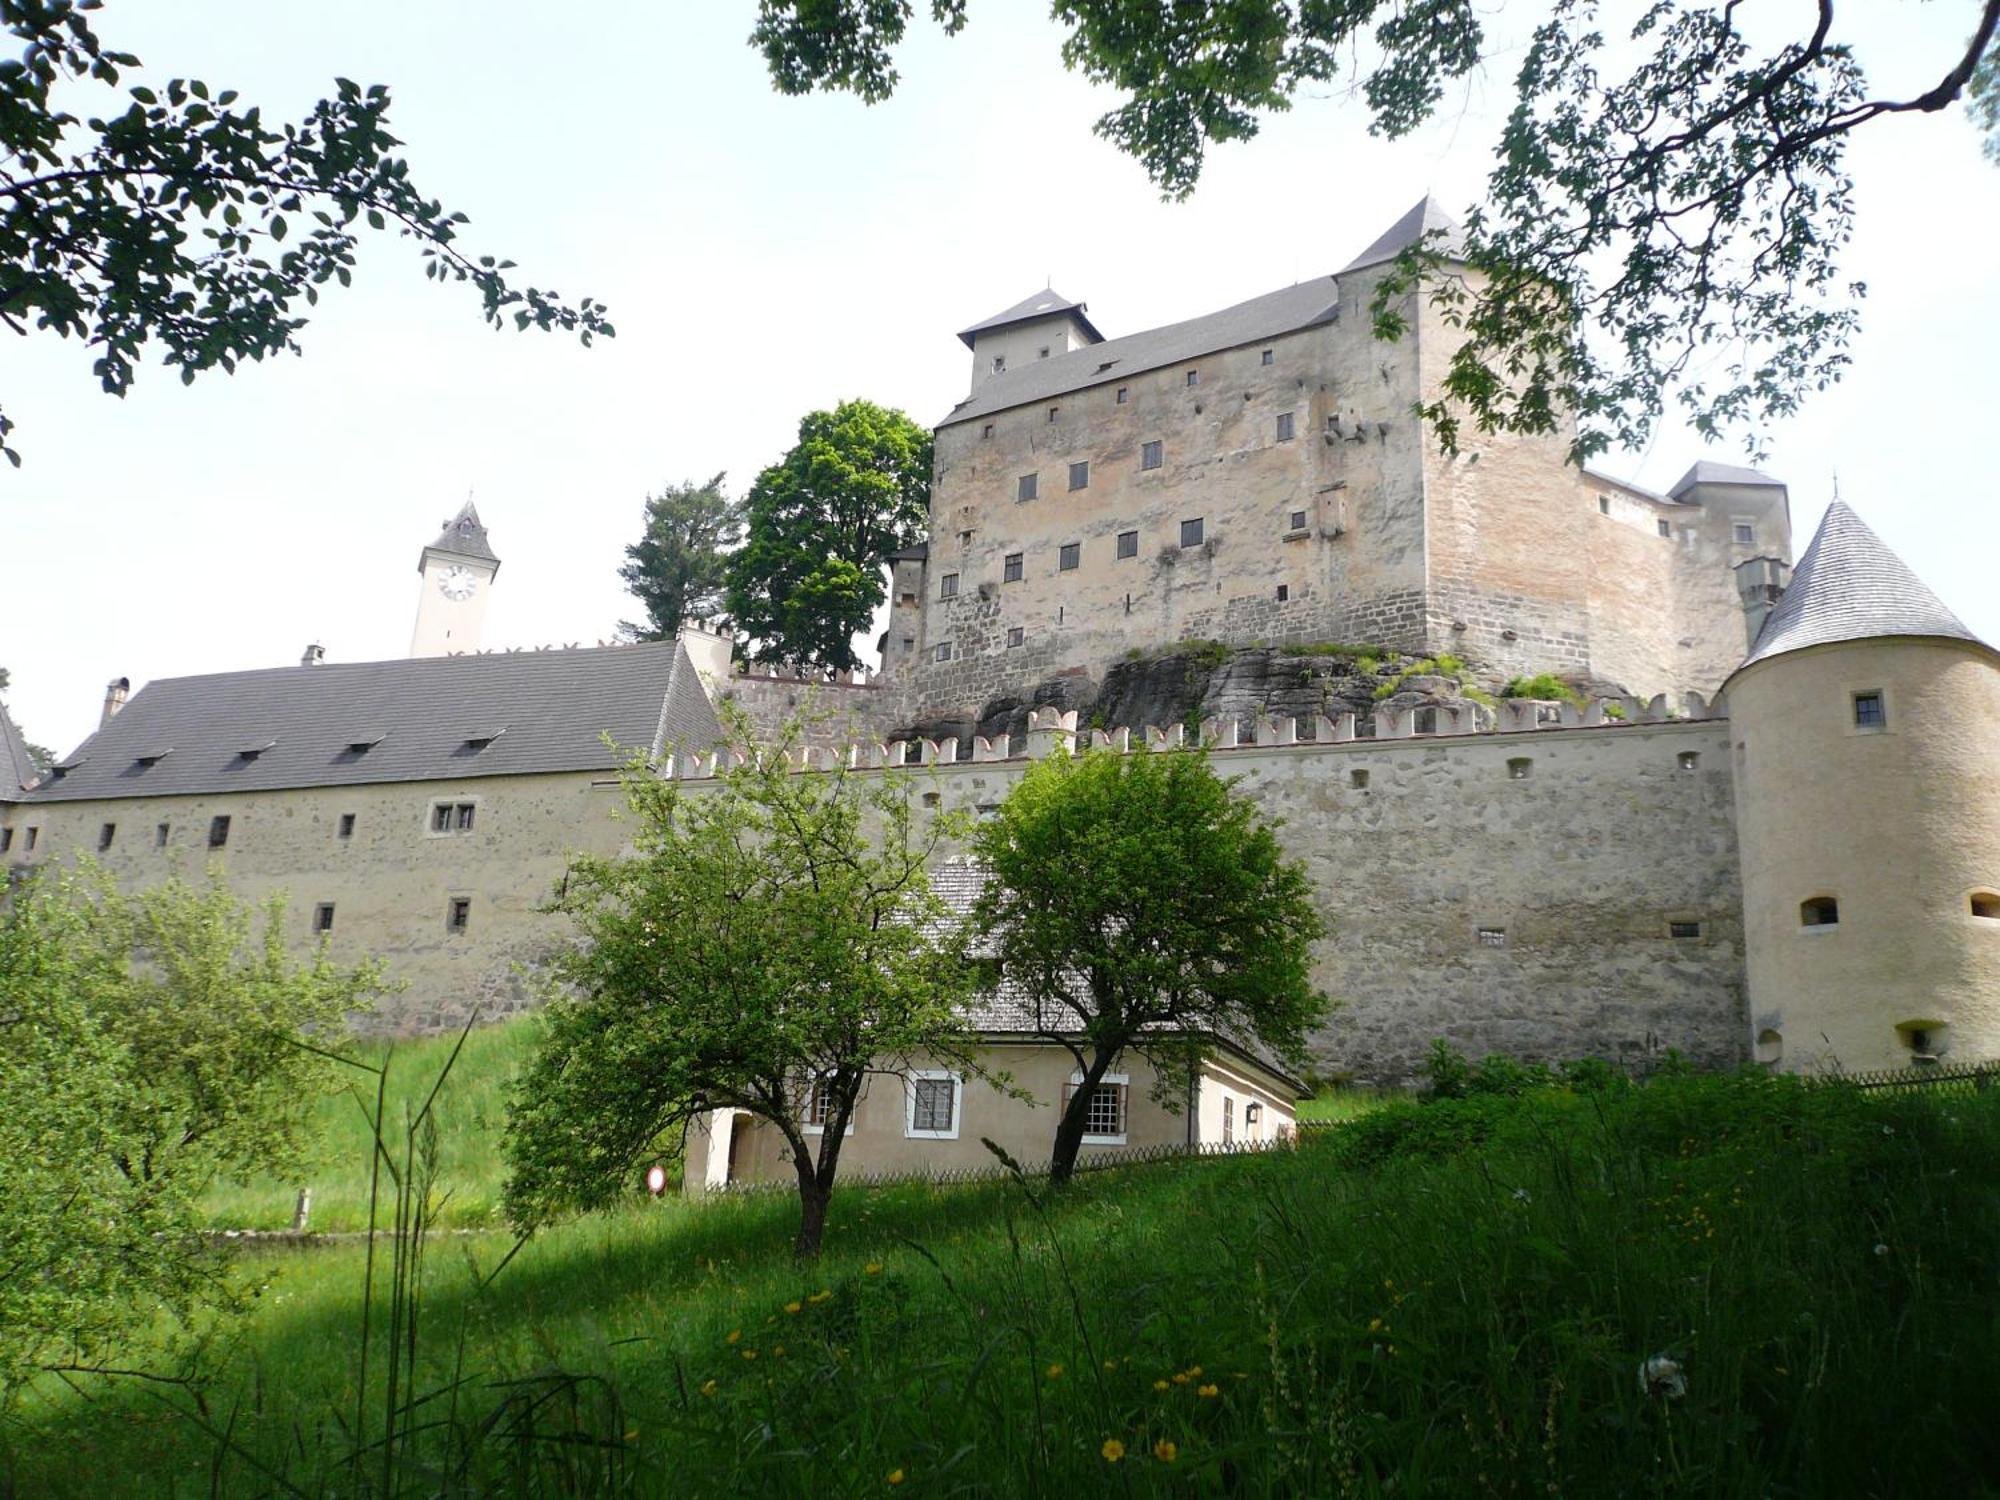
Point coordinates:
[[1194, 377], [1744, 533], [999, 363], [218, 832], [1043, 352], [6, 839], [441, 818], [1268, 356], [1079, 476], [1520, 768], [1688, 760], [948, 586], [1684, 929], [1124, 394], [1869, 712], [458, 915], [1358, 780], [323, 917], [1025, 486], [986, 431], [1104, 1114], [1492, 937], [1010, 570], [1070, 557], [1284, 592], [1819, 911], [347, 825], [464, 816], [1015, 635], [1128, 544], [1052, 412], [942, 651], [1284, 427], [1298, 520], [1666, 528], [1191, 532], [1151, 455], [105, 835], [1604, 505], [161, 834]]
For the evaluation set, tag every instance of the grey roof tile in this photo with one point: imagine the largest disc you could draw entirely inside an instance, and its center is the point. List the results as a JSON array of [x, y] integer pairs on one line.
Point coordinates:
[[17, 767], [464, 535], [416, 719], [1425, 218], [1850, 587], [1043, 304], [1706, 472]]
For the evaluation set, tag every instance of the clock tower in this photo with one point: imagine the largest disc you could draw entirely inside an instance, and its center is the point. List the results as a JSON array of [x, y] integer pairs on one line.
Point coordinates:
[[457, 571]]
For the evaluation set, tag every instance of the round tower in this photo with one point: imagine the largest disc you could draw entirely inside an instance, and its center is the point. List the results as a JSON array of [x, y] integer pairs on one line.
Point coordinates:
[[1866, 722]]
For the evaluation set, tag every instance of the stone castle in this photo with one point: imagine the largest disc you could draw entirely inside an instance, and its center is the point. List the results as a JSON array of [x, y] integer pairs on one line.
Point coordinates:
[[1762, 828]]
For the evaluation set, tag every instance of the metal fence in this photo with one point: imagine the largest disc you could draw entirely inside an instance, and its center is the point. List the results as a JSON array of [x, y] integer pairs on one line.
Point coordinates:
[[1950, 1078]]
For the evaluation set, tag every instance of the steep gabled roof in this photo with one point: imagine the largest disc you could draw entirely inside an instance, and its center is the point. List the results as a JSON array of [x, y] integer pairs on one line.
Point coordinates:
[[1425, 218], [1850, 587], [1706, 472], [1043, 304], [464, 535], [424, 719], [17, 767]]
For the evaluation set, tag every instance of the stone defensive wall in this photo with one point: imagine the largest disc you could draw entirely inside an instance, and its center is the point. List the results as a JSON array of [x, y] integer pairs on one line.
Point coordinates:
[[1561, 882]]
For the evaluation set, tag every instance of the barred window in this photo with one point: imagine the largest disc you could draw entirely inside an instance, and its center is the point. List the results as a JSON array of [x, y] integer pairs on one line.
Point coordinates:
[[1868, 713], [1104, 1115]]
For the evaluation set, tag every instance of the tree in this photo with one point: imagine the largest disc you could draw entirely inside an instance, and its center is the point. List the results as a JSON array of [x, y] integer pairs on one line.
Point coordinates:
[[821, 521], [148, 1044], [772, 941], [1144, 907], [1679, 226], [162, 220], [679, 567]]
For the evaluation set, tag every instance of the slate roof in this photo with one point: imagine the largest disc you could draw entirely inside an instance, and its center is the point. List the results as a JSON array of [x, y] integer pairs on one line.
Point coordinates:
[[541, 711], [1264, 317], [1009, 1010], [1424, 218], [1850, 587], [1042, 304], [17, 770], [464, 535], [1706, 472]]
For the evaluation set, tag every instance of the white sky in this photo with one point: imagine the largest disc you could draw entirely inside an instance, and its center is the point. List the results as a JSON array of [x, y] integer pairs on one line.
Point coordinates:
[[765, 256]]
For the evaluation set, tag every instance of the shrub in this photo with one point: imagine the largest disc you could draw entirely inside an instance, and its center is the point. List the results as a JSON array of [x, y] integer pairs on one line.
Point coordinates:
[[1543, 685]]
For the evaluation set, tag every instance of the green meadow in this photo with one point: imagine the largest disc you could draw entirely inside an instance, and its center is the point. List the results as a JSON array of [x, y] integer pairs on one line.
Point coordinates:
[[1723, 1285]]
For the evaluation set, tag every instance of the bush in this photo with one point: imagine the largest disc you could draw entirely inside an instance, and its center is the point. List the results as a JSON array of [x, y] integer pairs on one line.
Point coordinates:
[[1543, 685]]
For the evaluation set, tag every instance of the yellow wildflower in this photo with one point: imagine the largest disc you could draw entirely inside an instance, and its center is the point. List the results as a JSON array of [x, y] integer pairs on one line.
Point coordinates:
[[1113, 1450], [1054, 1372], [822, 1295], [708, 1387], [1111, 1364], [1160, 1385], [1209, 1391], [1165, 1451], [778, 1352], [874, 1268], [1374, 1325], [735, 1334], [631, 1434], [1193, 1371], [1181, 1378], [749, 1353], [791, 1308], [895, 1476]]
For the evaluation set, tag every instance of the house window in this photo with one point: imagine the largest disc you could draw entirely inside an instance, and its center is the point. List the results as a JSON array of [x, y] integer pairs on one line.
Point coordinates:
[[1267, 357], [999, 363], [1128, 544], [948, 586], [1666, 528], [1228, 1120], [1010, 570], [1986, 904], [6, 839], [105, 835], [458, 914], [1604, 505], [34, 838], [1869, 712], [1492, 937], [464, 811], [986, 431], [1284, 427], [160, 835], [1079, 476], [323, 917], [1068, 559], [818, 1106], [1770, 1046], [1191, 532], [942, 651], [1104, 1115], [449, 817], [1052, 412], [218, 832], [1284, 592], [1124, 394], [1151, 455], [347, 825], [930, 1110], [1194, 377], [1688, 760], [1520, 768], [1684, 929], [1298, 520], [1819, 911], [441, 818], [1745, 533], [1024, 487], [1358, 780], [1015, 635]]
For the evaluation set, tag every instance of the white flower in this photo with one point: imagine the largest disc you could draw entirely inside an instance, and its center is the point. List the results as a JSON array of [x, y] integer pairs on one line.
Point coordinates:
[[1881, 1249], [1521, 1194], [1661, 1377]]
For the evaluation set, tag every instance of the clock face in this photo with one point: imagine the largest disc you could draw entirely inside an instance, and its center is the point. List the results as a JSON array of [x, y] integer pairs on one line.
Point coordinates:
[[457, 583]]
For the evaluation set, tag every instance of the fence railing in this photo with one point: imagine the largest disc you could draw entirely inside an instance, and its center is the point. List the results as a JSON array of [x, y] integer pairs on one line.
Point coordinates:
[[1954, 1078]]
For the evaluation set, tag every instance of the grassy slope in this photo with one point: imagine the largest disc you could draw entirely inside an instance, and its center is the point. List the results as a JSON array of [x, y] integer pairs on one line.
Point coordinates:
[[1459, 1319]]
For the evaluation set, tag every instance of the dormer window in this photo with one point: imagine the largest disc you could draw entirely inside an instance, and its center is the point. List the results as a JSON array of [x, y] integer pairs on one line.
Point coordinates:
[[147, 759], [255, 749], [479, 739], [361, 744]]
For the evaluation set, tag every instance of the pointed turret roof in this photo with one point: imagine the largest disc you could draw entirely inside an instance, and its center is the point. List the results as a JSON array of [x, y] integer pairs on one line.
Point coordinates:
[[1426, 218], [1047, 303], [464, 535], [17, 767], [1850, 587]]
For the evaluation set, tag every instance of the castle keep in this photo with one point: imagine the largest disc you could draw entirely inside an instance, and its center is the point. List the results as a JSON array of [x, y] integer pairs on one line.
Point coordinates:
[[1766, 828]]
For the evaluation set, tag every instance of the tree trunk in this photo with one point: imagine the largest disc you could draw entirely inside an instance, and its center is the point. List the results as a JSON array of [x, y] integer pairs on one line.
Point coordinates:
[[1069, 1129], [813, 1201]]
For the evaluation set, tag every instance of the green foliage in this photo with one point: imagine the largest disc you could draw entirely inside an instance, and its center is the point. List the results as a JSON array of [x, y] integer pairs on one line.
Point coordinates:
[[679, 567], [1201, 655], [1335, 648], [148, 1044], [1442, 665], [1143, 906], [854, 488], [180, 217], [769, 930], [1655, 195], [1545, 686]]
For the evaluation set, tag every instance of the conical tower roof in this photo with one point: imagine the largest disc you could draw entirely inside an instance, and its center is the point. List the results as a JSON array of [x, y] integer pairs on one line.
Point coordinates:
[[1047, 303], [1426, 218], [1850, 587], [464, 535]]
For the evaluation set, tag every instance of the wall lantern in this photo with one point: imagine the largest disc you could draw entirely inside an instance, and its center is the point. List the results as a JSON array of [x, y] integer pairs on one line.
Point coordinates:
[[1252, 1112]]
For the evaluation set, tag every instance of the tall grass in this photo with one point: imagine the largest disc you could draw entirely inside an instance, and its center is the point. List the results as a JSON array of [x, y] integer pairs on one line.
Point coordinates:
[[1707, 1286]]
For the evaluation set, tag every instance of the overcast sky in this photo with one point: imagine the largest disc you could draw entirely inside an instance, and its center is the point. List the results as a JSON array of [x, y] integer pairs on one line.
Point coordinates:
[[765, 256]]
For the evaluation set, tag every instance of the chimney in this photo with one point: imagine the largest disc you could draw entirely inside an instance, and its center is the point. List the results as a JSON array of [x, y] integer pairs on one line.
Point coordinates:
[[313, 655], [709, 647], [115, 693], [1760, 583]]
